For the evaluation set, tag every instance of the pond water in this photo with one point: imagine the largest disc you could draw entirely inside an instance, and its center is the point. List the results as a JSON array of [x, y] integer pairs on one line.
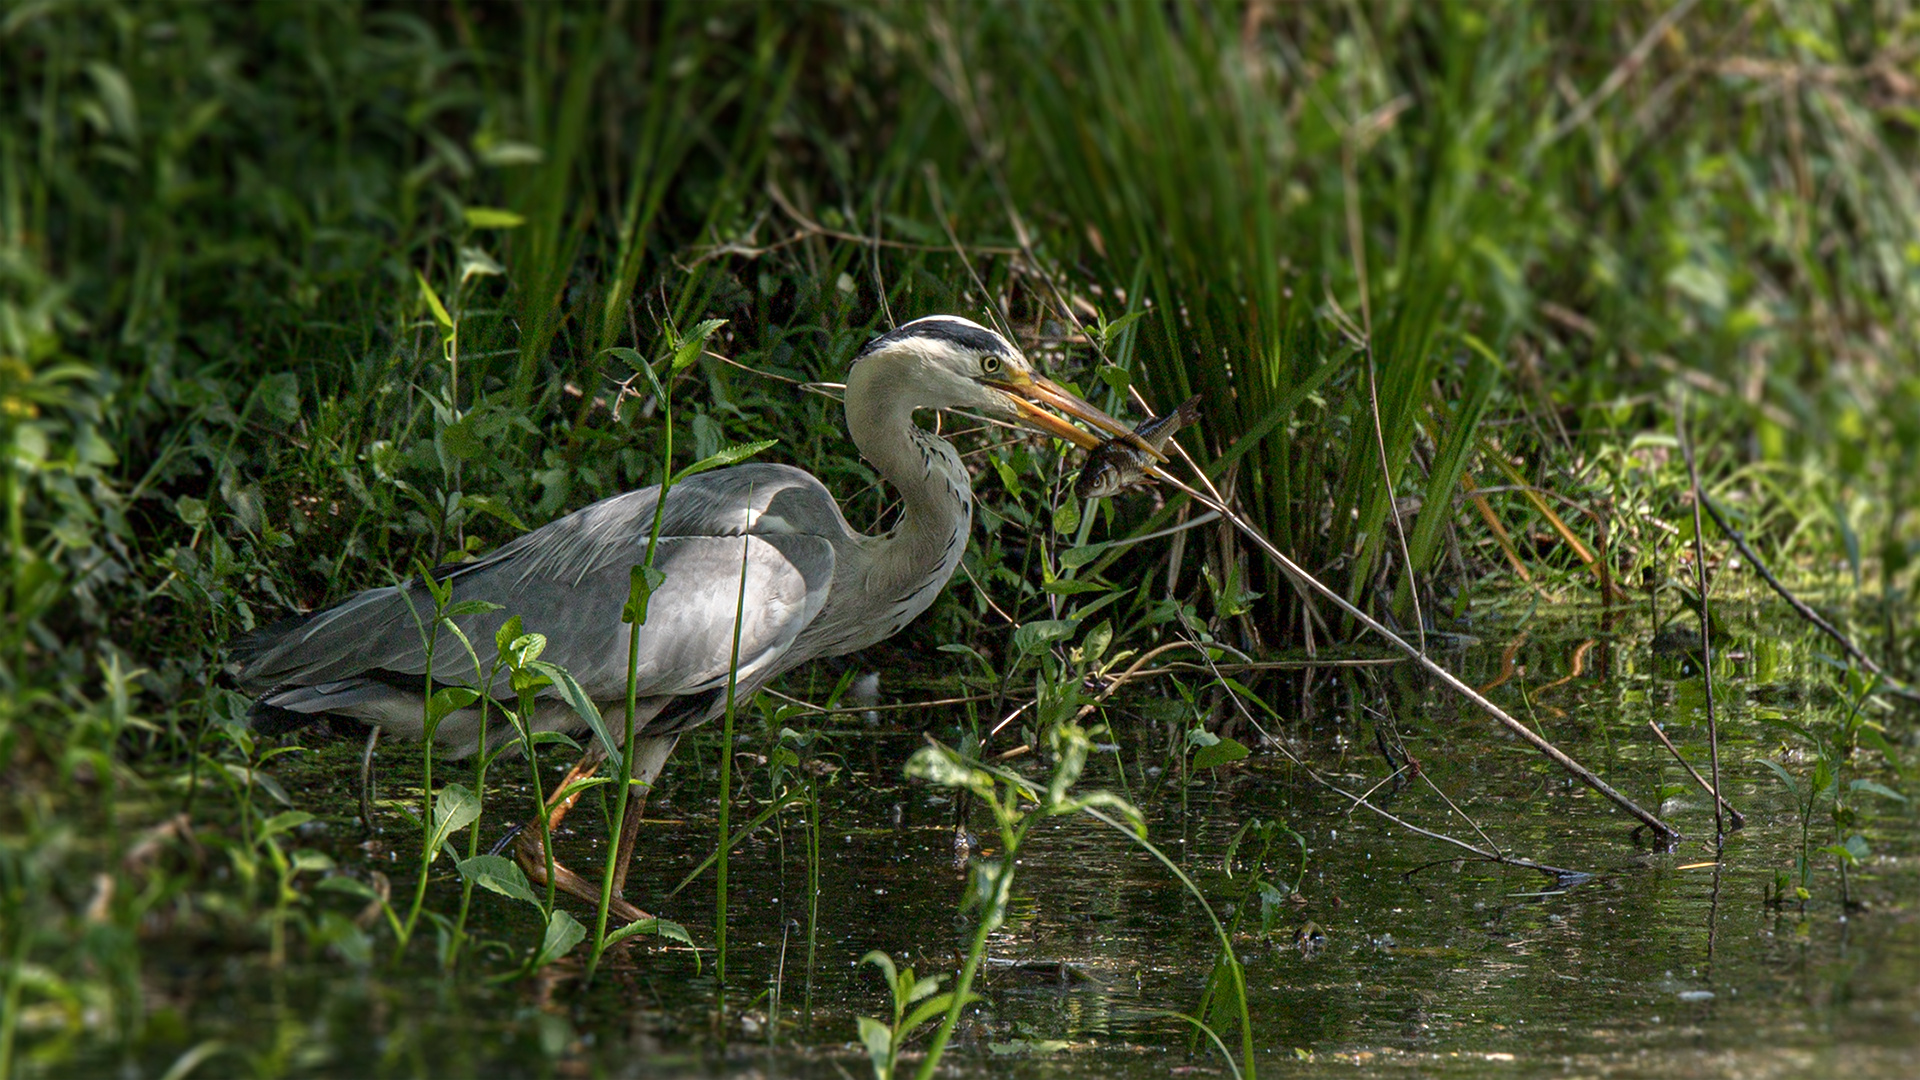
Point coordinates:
[[1394, 957]]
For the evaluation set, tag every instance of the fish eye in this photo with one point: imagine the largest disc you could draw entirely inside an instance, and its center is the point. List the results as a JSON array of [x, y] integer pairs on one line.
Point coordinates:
[[989, 364]]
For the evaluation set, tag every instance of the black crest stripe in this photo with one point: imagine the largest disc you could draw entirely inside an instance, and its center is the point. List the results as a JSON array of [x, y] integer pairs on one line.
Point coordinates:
[[958, 331]]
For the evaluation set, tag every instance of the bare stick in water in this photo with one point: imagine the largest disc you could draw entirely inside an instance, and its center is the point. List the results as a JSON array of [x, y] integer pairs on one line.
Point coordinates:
[[1738, 819], [1706, 629], [1519, 730], [1800, 607]]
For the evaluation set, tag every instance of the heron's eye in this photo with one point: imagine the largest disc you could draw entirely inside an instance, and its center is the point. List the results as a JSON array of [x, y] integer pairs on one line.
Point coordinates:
[[989, 364]]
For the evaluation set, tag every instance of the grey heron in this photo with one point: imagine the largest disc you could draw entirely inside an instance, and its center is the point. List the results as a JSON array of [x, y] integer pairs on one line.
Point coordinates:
[[813, 586]]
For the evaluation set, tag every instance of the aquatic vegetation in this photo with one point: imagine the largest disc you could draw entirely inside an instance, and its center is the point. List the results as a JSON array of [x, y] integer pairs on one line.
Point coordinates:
[[885, 1040]]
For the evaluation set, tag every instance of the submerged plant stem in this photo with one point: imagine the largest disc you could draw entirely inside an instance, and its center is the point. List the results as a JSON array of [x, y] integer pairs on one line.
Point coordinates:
[[1706, 616]]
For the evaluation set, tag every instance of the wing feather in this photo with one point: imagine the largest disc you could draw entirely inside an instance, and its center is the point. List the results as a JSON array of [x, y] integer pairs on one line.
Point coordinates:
[[568, 580]]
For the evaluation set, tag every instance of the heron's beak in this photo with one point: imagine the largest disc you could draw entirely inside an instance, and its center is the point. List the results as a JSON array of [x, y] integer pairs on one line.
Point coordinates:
[[1034, 395]]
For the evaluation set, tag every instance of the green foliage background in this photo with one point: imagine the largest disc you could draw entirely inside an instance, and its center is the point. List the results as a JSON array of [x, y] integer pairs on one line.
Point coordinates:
[[213, 218], [222, 395]]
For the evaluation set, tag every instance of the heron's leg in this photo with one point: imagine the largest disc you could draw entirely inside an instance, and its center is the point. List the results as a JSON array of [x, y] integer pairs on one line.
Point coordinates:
[[532, 854], [366, 780], [561, 800], [649, 759]]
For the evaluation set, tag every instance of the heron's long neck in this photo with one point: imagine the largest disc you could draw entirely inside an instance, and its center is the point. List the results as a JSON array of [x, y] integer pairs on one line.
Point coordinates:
[[915, 559]]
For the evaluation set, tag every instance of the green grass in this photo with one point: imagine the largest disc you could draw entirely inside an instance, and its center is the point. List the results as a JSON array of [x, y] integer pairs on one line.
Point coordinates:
[[1477, 243]]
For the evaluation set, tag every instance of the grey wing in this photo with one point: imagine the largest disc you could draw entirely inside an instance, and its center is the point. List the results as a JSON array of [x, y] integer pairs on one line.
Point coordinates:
[[770, 530]]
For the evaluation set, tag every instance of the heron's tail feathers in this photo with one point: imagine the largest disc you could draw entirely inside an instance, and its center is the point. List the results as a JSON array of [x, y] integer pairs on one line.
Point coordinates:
[[377, 629], [376, 700], [249, 647]]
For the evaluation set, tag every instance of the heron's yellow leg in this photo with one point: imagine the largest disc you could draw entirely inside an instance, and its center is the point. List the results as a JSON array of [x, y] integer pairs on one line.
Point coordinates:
[[532, 855], [649, 758]]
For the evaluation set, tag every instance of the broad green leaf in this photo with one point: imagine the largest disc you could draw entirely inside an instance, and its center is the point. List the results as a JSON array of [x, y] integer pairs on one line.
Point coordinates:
[[730, 455], [1071, 587], [1009, 479], [556, 738], [967, 650], [629, 357], [581, 784], [461, 439], [1070, 745], [1037, 635], [938, 765], [341, 883], [921, 988], [493, 508], [475, 262], [576, 697], [1112, 330], [1872, 738], [260, 780], [508, 633], [1789, 726], [695, 343], [433, 302], [665, 928], [640, 366], [280, 393], [1879, 789], [1793, 786], [500, 152], [499, 874], [885, 963], [1101, 802], [118, 104], [1219, 753], [1081, 556], [491, 217], [338, 931], [1066, 517], [525, 680], [470, 607], [307, 860], [279, 823], [448, 700], [642, 583], [525, 649], [1094, 645], [441, 589], [454, 808], [1823, 777], [931, 1008], [563, 933], [879, 1042]]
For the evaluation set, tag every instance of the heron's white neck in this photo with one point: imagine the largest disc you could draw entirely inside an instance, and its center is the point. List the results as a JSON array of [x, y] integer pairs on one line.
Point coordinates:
[[923, 549]]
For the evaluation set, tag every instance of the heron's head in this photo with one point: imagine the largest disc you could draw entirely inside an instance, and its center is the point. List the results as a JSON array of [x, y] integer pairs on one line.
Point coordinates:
[[947, 362]]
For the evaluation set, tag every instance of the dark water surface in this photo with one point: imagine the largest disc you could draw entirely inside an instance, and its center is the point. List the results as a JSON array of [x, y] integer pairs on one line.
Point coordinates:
[[1394, 958]]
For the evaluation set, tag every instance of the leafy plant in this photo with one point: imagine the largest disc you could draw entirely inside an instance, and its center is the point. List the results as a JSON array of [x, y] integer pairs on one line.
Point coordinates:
[[1827, 785], [920, 995]]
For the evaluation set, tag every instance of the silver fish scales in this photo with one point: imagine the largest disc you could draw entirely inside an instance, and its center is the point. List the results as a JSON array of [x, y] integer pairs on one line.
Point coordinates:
[[1122, 461]]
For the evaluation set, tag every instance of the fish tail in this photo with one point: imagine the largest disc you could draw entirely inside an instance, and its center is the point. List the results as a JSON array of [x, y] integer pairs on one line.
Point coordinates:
[[1189, 410]]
